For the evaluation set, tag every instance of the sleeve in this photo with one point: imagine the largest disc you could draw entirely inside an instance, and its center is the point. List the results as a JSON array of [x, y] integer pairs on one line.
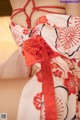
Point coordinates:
[[14, 67]]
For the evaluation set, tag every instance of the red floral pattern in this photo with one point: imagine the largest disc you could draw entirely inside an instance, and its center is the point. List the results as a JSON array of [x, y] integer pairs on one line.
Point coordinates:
[[77, 114], [13, 24], [42, 20], [78, 63], [39, 76], [60, 108], [73, 59], [68, 40], [74, 21], [78, 80], [70, 83], [25, 31], [37, 101], [57, 73]]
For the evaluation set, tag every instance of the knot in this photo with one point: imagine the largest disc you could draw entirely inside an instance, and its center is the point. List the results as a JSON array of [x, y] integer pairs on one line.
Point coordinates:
[[28, 21], [36, 50]]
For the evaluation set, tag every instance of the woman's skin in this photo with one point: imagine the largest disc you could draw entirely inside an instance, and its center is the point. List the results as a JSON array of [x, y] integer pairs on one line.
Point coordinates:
[[10, 90], [70, 9], [18, 4]]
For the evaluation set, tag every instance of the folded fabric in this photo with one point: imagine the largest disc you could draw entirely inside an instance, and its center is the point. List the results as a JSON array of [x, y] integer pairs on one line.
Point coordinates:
[[53, 42]]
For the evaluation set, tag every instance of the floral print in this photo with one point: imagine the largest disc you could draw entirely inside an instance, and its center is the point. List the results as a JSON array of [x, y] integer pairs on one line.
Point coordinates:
[[74, 21], [57, 73], [39, 76], [37, 101], [68, 40], [70, 84], [42, 20], [61, 35], [25, 31]]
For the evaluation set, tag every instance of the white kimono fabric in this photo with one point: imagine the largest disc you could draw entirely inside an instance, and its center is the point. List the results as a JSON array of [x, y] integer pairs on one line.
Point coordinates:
[[61, 33]]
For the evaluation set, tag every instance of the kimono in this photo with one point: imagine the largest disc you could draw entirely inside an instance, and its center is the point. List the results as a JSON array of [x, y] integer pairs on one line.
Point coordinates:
[[53, 45]]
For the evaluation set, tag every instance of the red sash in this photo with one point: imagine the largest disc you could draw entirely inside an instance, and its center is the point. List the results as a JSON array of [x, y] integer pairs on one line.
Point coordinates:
[[36, 50]]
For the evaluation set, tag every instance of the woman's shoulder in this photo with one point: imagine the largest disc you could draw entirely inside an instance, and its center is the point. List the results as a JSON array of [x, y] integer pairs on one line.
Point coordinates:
[[17, 3], [20, 3]]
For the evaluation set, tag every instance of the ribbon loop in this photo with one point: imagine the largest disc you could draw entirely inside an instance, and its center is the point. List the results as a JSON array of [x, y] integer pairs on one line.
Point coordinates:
[[32, 50]]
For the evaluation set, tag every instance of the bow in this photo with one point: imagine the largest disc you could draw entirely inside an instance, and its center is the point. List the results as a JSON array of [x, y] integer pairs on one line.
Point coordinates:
[[36, 50]]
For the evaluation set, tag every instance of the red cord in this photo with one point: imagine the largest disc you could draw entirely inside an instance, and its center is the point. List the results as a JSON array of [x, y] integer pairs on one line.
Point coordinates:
[[39, 8]]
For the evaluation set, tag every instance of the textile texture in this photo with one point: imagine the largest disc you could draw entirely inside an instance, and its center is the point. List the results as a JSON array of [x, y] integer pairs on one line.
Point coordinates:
[[54, 43]]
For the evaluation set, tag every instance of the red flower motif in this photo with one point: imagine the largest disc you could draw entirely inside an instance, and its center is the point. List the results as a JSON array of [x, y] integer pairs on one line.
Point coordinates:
[[68, 40], [39, 76], [69, 37], [73, 59], [57, 73], [77, 114], [42, 19], [13, 24], [78, 80], [37, 101], [25, 31], [79, 64], [74, 21], [70, 83]]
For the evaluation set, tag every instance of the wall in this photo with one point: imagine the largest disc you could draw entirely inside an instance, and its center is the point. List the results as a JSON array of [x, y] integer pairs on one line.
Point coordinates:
[[5, 8]]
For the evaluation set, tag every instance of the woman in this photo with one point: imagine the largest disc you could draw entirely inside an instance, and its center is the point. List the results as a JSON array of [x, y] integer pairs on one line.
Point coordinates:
[[50, 38]]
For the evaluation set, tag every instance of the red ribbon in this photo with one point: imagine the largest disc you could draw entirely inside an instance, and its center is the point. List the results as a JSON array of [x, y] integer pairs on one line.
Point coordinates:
[[36, 50]]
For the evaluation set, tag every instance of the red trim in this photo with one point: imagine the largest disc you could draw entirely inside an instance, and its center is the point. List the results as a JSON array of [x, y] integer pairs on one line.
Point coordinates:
[[33, 3], [48, 11], [58, 7], [18, 11], [26, 4]]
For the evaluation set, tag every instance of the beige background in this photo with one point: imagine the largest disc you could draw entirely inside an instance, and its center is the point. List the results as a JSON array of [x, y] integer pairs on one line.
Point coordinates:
[[10, 89], [7, 44]]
